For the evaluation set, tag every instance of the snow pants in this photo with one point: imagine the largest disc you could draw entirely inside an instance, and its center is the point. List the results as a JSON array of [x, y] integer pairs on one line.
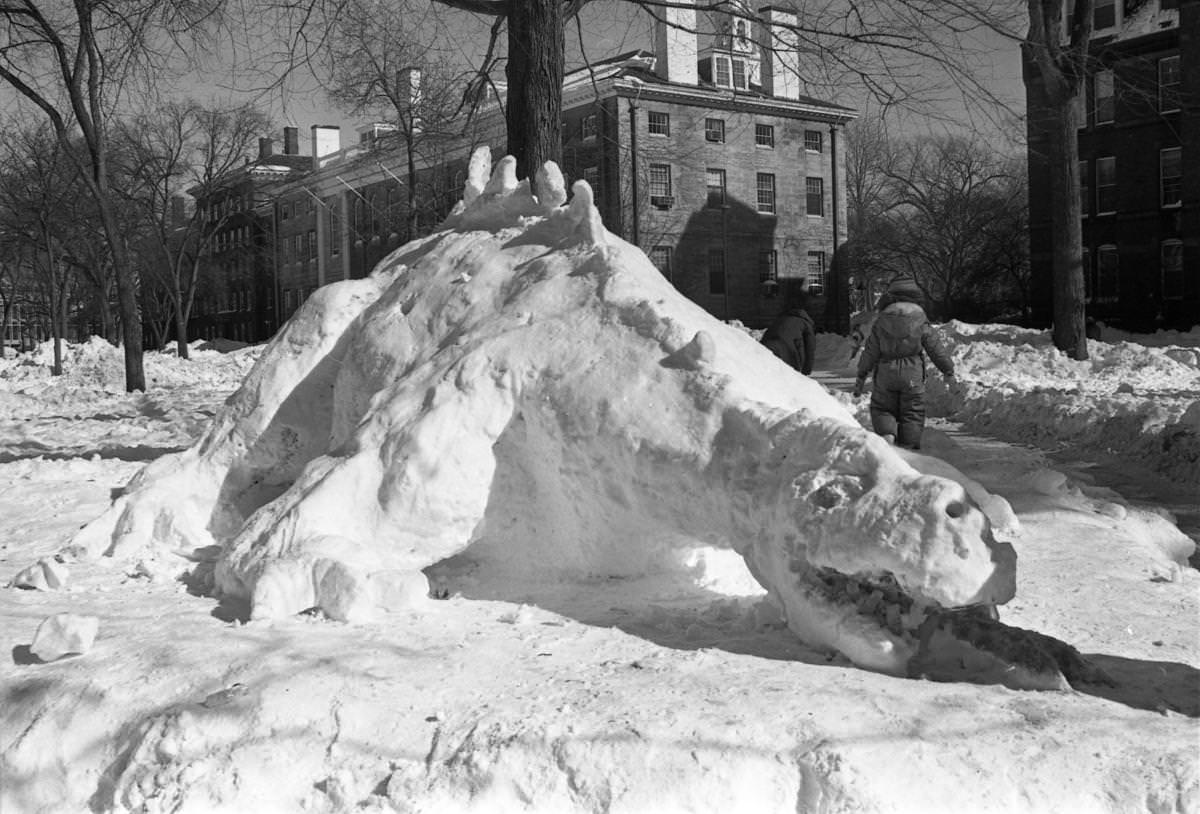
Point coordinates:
[[898, 400]]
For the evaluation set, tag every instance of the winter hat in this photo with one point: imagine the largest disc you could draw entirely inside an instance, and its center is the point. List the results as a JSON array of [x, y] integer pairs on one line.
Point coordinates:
[[904, 286]]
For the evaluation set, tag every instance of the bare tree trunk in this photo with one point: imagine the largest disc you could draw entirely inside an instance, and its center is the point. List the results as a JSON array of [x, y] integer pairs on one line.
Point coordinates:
[[535, 76], [1069, 330], [181, 343]]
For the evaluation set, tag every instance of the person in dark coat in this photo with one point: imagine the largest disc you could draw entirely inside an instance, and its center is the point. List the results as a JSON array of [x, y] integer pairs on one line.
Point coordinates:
[[894, 354], [792, 337]]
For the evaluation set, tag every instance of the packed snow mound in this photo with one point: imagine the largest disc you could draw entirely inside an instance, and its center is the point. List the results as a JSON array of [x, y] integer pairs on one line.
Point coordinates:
[[526, 384]]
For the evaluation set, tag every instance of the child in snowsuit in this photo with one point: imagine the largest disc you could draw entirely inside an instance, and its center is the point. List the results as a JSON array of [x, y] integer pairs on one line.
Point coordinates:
[[792, 336], [895, 353]]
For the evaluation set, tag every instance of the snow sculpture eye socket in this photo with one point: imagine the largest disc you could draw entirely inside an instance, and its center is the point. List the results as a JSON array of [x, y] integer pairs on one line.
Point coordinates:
[[841, 489], [955, 509]]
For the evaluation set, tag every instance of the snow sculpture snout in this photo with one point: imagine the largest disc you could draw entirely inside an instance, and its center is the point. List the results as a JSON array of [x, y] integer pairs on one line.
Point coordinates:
[[526, 384]]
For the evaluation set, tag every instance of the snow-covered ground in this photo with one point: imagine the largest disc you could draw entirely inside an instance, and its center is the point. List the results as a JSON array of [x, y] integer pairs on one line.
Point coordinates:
[[658, 692]]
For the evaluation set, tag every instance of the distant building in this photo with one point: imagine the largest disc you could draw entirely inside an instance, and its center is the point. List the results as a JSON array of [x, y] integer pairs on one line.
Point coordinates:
[[1139, 167], [709, 159]]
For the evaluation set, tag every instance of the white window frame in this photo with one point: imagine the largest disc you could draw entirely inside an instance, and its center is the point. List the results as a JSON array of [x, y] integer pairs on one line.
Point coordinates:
[[817, 268], [1177, 198], [1168, 92], [722, 72], [591, 127], [1175, 245], [1104, 77], [1101, 162], [714, 130], [722, 196], [764, 136], [660, 126], [809, 193], [764, 188], [811, 137]]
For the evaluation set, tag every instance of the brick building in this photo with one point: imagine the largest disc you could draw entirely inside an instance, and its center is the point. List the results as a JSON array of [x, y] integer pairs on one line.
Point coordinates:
[[704, 154], [1139, 167]]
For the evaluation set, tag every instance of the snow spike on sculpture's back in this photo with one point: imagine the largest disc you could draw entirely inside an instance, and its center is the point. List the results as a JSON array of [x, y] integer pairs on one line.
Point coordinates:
[[551, 187], [586, 217], [479, 171], [701, 351], [504, 178]]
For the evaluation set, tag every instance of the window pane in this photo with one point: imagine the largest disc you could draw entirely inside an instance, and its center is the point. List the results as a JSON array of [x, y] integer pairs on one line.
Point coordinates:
[[1104, 97], [1107, 273], [660, 180], [739, 74], [816, 272], [766, 192], [1085, 187], [813, 140], [660, 256], [1168, 83], [815, 195], [1171, 175], [768, 271], [716, 271], [1106, 184], [1171, 261], [1105, 14], [714, 130], [716, 187], [660, 124], [721, 71], [764, 135]]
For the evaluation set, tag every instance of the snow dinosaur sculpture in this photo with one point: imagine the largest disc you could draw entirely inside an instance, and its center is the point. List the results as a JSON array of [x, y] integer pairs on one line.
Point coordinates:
[[524, 381]]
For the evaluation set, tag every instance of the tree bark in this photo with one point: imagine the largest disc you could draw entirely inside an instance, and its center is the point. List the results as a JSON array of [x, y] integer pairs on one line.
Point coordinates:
[[535, 76], [1069, 331]]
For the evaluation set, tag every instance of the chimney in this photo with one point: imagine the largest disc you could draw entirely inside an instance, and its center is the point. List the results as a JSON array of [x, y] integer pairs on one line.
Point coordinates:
[[266, 146], [291, 141], [326, 139], [675, 45], [781, 62]]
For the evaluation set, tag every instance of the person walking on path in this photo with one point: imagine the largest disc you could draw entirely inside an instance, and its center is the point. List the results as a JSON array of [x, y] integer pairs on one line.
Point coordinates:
[[894, 354], [792, 337]]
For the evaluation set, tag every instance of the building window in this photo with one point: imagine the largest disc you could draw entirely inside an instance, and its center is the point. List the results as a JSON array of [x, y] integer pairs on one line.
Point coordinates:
[[765, 183], [590, 126], [312, 244], [1089, 286], [814, 141], [660, 256], [1171, 263], [1168, 83], [816, 272], [1105, 14], [285, 211], [716, 187], [1170, 174], [1085, 188], [768, 267], [592, 176], [1106, 185], [814, 189], [739, 75], [716, 271], [335, 230], [1108, 268], [659, 123], [721, 72], [764, 135], [1102, 84], [714, 130], [660, 186]]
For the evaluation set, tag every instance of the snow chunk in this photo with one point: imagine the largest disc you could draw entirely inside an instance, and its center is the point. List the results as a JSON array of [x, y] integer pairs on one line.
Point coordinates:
[[63, 634], [47, 574]]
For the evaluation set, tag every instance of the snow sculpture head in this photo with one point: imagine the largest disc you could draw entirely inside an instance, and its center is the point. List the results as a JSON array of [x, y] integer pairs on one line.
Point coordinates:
[[526, 383]]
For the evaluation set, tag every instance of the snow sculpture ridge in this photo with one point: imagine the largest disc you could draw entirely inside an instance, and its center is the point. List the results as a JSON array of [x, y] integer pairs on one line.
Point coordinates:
[[525, 384]]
